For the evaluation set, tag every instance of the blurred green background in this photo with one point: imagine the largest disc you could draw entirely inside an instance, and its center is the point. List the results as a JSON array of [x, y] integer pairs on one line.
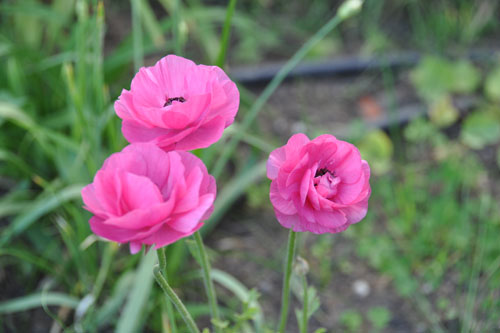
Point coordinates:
[[426, 258]]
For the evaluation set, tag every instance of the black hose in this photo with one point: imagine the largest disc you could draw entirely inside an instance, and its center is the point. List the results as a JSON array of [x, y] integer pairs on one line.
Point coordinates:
[[346, 66]]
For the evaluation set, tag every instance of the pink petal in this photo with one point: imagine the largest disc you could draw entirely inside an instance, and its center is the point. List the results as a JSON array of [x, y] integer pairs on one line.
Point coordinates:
[[172, 71], [166, 235], [276, 159], [135, 132], [187, 221], [146, 89], [135, 247], [279, 203], [92, 203], [304, 185], [140, 219], [204, 136], [333, 219], [347, 163], [190, 197], [138, 192]]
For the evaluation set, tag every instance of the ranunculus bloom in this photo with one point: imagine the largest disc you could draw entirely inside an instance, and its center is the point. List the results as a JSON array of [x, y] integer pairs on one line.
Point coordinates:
[[178, 105], [144, 195], [319, 185]]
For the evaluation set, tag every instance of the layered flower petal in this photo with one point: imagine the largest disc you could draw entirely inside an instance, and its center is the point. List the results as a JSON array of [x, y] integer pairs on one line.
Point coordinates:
[[320, 185], [144, 195], [178, 105]]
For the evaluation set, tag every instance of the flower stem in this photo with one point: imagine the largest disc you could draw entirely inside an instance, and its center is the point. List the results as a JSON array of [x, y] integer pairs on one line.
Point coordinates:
[[209, 286], [160, 279], [162, 260], [305, 303], [286, 280]]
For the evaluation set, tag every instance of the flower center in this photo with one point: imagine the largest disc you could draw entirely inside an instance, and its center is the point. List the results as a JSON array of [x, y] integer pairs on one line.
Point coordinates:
[[322, 172], [177, 99], [326, 183]]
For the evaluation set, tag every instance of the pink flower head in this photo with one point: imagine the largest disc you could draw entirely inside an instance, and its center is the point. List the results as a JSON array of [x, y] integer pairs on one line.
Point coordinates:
[[319, 185], [144, 195], [178, 105]]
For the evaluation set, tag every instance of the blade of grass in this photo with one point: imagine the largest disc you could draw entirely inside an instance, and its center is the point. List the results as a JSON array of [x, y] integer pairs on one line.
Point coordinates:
[[152, 26], [130, 319], [37, 300], [468, 318], [273, 85], [176, 13], [107, 313], [137, 34], [45, 203], [226, 31], [27, 256]]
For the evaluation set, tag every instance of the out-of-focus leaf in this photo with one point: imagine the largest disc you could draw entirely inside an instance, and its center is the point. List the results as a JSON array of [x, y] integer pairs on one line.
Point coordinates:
[[132, 315], [352, 320], [466, 77], [420, 130], [492, 85], [377, 149], [36, 300], [432, 77], [480, 128], [442, 112], [436, 77], [379, 317]]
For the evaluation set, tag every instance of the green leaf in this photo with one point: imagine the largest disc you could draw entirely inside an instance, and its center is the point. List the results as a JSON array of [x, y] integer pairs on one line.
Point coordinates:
[[442, 112], [420, 130], [492, 85], [432, 77], [37, 300], [480, 128], [466, 77], [377, 148], [352, 320], [436, 77], [379, 317], [132, 315]]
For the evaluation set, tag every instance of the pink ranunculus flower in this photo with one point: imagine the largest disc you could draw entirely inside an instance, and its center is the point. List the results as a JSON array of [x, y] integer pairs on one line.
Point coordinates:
[[144, 195], [178, 105], [319, 185]]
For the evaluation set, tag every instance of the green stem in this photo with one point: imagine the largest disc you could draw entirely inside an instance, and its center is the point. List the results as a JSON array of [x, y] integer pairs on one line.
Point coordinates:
[[207, 279], [285, 297], [221, 58], [162, 260], [305, 303], [160, 279], [170, 313]]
